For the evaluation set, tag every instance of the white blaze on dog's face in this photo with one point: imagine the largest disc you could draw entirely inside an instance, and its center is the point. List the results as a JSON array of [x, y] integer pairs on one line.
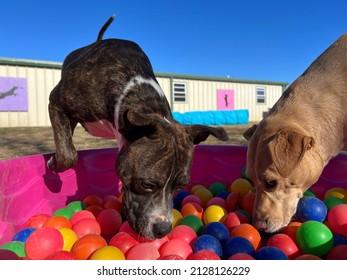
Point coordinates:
[[281, 165]]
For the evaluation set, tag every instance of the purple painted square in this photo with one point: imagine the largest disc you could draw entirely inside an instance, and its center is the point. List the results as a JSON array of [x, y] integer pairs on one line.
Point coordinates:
[[13, 94]]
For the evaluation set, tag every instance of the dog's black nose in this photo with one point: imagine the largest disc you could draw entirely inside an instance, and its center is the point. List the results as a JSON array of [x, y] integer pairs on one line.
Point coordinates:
[[161, 229]]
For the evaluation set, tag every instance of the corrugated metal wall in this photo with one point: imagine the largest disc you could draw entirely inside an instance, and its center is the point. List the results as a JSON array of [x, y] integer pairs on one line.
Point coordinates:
[[201, 92]]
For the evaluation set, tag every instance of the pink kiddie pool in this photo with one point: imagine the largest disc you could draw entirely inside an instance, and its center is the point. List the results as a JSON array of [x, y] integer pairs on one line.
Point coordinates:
[[28, 187]]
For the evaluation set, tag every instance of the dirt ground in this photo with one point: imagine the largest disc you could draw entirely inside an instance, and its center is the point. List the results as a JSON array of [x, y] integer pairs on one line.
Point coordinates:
[[23, 141]]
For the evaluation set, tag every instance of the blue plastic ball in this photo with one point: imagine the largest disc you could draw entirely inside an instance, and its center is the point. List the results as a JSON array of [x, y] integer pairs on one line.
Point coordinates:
[[237, 244], [207, 242], [223, 194], [23, 234], [270, 253], [311, 208], [217, 230], [339, 239], [177, 200]]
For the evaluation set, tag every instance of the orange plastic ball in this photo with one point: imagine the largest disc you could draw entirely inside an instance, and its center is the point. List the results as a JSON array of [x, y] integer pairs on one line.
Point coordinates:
[[291, 230], [192, 208], [87, 245], [58, 222], [249, 232]]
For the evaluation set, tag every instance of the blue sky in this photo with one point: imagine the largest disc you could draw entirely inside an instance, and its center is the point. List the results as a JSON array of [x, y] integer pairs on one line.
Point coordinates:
[[262, 40]]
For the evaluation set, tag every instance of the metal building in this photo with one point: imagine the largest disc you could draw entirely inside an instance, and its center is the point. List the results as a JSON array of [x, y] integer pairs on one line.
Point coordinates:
[[25, 86]]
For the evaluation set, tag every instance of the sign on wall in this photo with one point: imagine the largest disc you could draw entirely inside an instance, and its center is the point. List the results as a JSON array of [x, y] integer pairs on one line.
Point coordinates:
[[225, 99], [13, 94]]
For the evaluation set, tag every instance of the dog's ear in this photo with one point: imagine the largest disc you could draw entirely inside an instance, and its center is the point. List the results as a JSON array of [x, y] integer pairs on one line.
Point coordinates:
[[287, 149], [199, 133], [249, 132], [134, 125]]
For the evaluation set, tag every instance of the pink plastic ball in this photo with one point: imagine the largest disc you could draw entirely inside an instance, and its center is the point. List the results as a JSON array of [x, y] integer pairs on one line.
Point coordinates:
[[337, 219], [125, 227], [123, 241], [217, 201], [285, 243], [183, 232], [204, 255], [86, 226], [110, 221], [191, 198], [43, 242], [143, 251], [176, 247]]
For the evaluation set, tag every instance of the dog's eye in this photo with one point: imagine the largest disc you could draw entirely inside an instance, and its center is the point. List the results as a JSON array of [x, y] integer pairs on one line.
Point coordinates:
[[147, 187], [271, 184]]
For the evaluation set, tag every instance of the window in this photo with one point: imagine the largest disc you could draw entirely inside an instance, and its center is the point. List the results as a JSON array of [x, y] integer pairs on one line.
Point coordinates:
[[179, 92], [260, 92]]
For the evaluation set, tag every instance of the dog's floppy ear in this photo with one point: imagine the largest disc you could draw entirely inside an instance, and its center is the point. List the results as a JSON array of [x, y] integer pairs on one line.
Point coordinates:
[[134, 125], [249, 132], [199, 133], [287, 149]]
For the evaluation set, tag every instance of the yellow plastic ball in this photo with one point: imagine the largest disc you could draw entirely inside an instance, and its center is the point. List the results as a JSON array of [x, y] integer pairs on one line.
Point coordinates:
[[108, 253], [337, 192], [214, 213], [197, 187], [204, 194], [69, 237], [177, 216], [241, 186]]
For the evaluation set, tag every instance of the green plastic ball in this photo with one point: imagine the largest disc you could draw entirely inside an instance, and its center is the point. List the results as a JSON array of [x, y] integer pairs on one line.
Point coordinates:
[[65, 212], [194, 222], [314, 238], [76, 206], [330, 202], [216, 188]]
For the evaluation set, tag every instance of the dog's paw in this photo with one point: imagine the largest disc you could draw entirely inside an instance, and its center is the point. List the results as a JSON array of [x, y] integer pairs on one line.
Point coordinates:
[[57, 167]]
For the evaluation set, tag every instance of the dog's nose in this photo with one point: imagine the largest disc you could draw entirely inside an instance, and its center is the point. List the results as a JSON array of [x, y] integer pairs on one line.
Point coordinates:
[[161, 229]]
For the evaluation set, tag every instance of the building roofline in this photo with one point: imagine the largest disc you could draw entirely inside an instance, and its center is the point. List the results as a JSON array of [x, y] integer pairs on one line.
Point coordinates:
[[58, 65]]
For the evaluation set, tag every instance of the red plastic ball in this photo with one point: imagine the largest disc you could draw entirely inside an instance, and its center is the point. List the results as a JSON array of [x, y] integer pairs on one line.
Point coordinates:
[[231, 221], [248, 202], [87, 245], [8, 255], [110, 221], [123, 241], [285, 243], [233, 201], [37, 221], [241, 256], [62, 255], [183, 232], [95, 209], [338, 252], [93, 199], [43, 242], [337, 219], [176, 247], [81, 215], [171, 257], [86, 226], [143, 251], [204, 255], [112, 201]]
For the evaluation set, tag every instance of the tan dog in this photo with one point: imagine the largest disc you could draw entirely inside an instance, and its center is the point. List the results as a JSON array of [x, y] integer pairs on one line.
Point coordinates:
[[302, 132]]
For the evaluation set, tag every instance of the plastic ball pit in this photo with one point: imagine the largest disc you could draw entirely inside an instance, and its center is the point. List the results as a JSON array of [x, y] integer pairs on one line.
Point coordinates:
[[30, 193]]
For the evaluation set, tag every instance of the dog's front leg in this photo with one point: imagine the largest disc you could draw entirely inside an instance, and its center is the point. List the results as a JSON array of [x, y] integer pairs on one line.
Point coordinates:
[[65, 156]]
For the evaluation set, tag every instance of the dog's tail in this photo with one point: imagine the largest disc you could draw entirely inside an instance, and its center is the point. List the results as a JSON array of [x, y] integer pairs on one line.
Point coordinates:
[[104, 27]]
